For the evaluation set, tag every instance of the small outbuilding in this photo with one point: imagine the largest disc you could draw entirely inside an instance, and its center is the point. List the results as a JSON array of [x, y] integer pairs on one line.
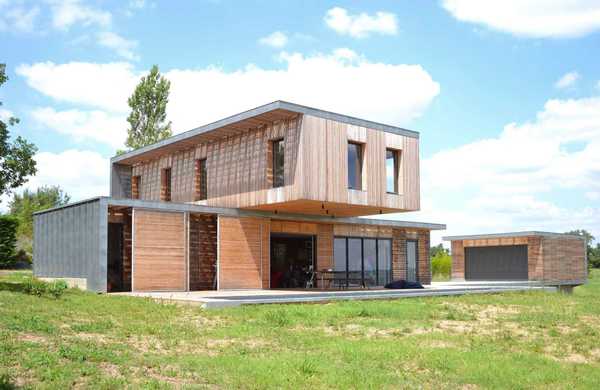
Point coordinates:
[[552, 258]]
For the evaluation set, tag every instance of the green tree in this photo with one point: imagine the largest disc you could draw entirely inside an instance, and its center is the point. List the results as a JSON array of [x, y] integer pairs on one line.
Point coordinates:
[[593, 253], [22, 206], [16, 158], [148, 118], [439, 248]]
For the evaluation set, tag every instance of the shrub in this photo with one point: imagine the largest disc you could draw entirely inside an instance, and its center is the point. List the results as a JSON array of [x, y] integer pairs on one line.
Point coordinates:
[[57, 288], [441, 264], [34, 286], [8, 240]]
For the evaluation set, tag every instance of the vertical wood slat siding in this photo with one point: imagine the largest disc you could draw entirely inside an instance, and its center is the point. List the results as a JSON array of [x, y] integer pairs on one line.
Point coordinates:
[[159, 251], [324, 166], [236, 168], [244, 253], [315, 167]]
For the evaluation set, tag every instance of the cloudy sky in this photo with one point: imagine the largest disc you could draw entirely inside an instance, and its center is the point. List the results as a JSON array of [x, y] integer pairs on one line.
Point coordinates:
[[505, 94]]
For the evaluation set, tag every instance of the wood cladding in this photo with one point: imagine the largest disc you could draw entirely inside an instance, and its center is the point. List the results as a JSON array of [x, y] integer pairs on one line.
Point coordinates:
[[550, 258], [159, 251], [239, 170], [244, 253], [202, 252], [399, 253]]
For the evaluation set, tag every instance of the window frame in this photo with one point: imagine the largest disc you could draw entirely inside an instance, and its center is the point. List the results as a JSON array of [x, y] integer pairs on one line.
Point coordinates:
[[274, 165], [362, 245], [396, 172], [136, 183], [360, 156], [165, 184], [200, 178]]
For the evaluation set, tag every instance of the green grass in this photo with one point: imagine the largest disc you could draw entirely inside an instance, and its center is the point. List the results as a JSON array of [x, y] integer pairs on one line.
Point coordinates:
[[512, 340]]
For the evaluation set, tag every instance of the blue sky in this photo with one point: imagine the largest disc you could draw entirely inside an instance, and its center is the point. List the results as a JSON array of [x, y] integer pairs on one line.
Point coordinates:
[[506, 94]]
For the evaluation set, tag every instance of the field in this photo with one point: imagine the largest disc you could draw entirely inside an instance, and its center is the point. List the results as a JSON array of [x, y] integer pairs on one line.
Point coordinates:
[[512, 340]]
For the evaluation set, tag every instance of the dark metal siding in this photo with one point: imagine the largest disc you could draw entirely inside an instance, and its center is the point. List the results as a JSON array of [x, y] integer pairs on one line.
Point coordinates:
[[496, 263], [71, 242]]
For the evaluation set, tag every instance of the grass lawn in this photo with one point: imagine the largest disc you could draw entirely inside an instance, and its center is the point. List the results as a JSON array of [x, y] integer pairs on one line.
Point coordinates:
[[512, 340]]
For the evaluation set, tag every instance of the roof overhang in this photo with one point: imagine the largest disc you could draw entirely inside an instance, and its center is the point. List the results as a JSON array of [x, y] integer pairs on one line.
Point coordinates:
[[508, 235], [235, 124]]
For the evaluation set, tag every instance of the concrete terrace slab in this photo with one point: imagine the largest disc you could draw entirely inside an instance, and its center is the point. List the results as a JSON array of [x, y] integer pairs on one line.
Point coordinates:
[[229, 298]]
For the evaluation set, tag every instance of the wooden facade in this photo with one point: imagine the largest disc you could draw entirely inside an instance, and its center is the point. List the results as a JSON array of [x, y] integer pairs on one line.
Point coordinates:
[[315, 179]]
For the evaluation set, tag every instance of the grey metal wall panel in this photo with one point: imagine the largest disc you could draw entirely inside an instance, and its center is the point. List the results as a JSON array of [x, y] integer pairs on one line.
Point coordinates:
[[496, 263], [71, 243]]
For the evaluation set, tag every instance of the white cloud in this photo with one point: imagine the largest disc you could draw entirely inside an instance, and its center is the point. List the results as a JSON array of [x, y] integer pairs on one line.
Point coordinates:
[[276, 39], [505, 183], [567, 80], [532, 18], [99, 126], [66, 13], [123, 47], [593, 195], [347, 83], [104, 86], [18, 18], [5, 114], [81, 173], [361, 25]]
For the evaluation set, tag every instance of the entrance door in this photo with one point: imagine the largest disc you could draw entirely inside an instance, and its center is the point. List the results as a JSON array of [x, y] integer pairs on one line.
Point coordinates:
[[115, 257], [292, 260], [411, 260]]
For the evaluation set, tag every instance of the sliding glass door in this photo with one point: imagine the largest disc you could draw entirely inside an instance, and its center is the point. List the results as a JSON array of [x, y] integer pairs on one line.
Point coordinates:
[[368, 260]]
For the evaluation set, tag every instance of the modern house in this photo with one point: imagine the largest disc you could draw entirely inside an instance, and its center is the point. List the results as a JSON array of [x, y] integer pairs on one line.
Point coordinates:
[[256, 200]]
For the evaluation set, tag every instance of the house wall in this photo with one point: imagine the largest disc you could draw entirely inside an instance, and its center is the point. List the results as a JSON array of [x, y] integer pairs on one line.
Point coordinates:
[[239, 170], [236, 169], [159, 251], [550, 258], [71, 243]]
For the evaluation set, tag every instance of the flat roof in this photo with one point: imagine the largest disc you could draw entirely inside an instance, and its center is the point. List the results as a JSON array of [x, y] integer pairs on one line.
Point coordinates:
[[279, 107], [194, 208], [510, 234]]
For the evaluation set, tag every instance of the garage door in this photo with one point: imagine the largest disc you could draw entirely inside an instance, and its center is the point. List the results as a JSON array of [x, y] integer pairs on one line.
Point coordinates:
[[496, 263], [159, 261]]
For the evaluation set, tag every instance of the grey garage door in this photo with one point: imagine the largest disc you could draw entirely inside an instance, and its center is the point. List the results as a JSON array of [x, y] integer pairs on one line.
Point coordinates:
[[496, 263]]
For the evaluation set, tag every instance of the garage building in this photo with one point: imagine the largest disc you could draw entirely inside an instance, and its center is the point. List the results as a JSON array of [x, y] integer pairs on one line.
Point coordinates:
[[552, 258]]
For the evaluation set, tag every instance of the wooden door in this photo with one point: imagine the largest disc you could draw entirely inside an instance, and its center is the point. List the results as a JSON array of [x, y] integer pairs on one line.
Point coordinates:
[[159, 251]]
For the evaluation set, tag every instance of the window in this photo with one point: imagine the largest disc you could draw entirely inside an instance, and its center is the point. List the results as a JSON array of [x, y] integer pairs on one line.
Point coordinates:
[[200, 180], [355, 156], [368, 260], [165, 184], [391, 170], [278, 147], [136, 184]]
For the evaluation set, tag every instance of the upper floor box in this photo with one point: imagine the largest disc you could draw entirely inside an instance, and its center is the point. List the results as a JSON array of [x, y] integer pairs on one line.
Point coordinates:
[[280, 157]]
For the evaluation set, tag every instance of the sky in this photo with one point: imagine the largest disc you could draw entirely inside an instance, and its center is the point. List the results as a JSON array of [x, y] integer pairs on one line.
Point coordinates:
[[505, 94]]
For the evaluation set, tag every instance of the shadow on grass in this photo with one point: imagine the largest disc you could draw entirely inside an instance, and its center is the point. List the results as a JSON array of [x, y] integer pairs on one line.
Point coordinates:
[[13, 287], [6, 383]]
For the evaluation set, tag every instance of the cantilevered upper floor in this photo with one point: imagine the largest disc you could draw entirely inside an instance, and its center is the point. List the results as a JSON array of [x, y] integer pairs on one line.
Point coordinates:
[[280, 157]]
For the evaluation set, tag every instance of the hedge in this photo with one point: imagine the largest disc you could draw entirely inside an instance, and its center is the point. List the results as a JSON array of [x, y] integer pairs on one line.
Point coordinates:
[[8, 240]]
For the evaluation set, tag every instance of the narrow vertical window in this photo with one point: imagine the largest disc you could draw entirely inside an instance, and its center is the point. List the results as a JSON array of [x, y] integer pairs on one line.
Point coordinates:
[[355, 156], [200, 180], [136, 184], [391, 170], [278, 163], [165, 187]]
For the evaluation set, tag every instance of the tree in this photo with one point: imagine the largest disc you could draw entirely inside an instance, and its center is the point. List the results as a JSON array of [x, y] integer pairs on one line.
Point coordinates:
[[593, 254], [439, 248], [16, 158], [24, 205], [148, 118]]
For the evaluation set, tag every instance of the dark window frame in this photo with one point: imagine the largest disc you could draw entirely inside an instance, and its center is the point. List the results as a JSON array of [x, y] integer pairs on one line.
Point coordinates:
[[358, 166], [201, 190], [416, 241], [278, 177], [166, 182], [396, 173], [362, 256], [136, 182]]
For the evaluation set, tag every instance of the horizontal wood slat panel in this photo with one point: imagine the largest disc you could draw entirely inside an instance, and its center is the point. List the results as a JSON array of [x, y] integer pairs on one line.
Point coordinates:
[[159, 251]]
